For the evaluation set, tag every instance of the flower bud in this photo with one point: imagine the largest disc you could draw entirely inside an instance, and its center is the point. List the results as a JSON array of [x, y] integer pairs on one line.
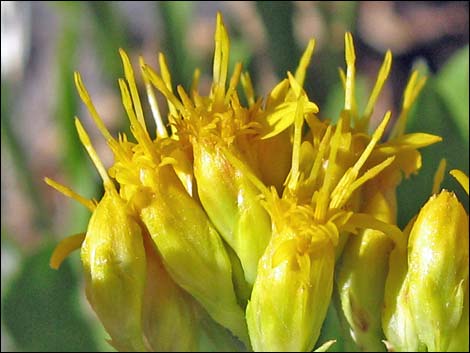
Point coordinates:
[[113, 259], [362, 270], [425, 292], [438, 269], [291, 293], [232, 204], [191, 249], [169, 313], [397, 321]]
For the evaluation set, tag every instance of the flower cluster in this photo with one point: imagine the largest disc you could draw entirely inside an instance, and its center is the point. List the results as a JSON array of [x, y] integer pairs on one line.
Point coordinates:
[[242, 219]]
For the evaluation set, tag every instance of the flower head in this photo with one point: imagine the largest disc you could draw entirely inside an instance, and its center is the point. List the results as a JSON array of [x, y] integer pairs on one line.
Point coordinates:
[[206, 225], [363, 264]]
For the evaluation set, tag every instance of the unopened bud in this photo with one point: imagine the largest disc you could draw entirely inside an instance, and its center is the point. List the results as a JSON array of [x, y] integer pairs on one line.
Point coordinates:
[[169, 313], [232, 204], [291, 294], [362, 270], [192, 250], [113, 259], [438, 269]]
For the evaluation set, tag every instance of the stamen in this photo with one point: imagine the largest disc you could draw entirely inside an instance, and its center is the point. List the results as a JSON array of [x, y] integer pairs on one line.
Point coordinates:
[[233, 82], [381, 78], [195, 82], [370, 173], [375, 138], [304, 62], [342, 190], [140, 134], [294, 85], [85, 139], [161, 130], [187, 102], [320, 154], [350, 72], [90, 204], [158, 82], [278, 94], [321, 206], [91, 108], [413, 88], [298, 123], [248, 88], [439, 176], [166, 76], [221, 56], [129, 74]]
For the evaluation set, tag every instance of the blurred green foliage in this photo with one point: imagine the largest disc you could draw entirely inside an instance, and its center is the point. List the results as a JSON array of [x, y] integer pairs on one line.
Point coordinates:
[[442, 109], [40, 307]]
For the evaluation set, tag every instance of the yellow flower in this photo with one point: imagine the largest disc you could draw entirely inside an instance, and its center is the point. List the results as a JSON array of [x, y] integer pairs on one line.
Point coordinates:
[[127, 284], [156, 201], [438, 269], [219, 123], [363, 265], [113, 259], [192, 251], [205, 225], [293, 287]]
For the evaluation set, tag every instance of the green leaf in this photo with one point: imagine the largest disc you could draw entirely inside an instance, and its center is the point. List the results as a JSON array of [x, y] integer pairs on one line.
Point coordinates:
[[74, 161], [11, 139], [176, 16], [40, 308], [278, 20], [111, 32], [452, 86], [432, 115]]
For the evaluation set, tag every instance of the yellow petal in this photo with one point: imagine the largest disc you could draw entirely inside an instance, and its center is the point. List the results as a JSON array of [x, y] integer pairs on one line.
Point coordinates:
[[461, 178], [64, 248]]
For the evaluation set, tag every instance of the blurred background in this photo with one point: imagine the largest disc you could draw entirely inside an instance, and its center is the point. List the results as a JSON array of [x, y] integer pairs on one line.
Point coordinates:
[[43, 43]]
